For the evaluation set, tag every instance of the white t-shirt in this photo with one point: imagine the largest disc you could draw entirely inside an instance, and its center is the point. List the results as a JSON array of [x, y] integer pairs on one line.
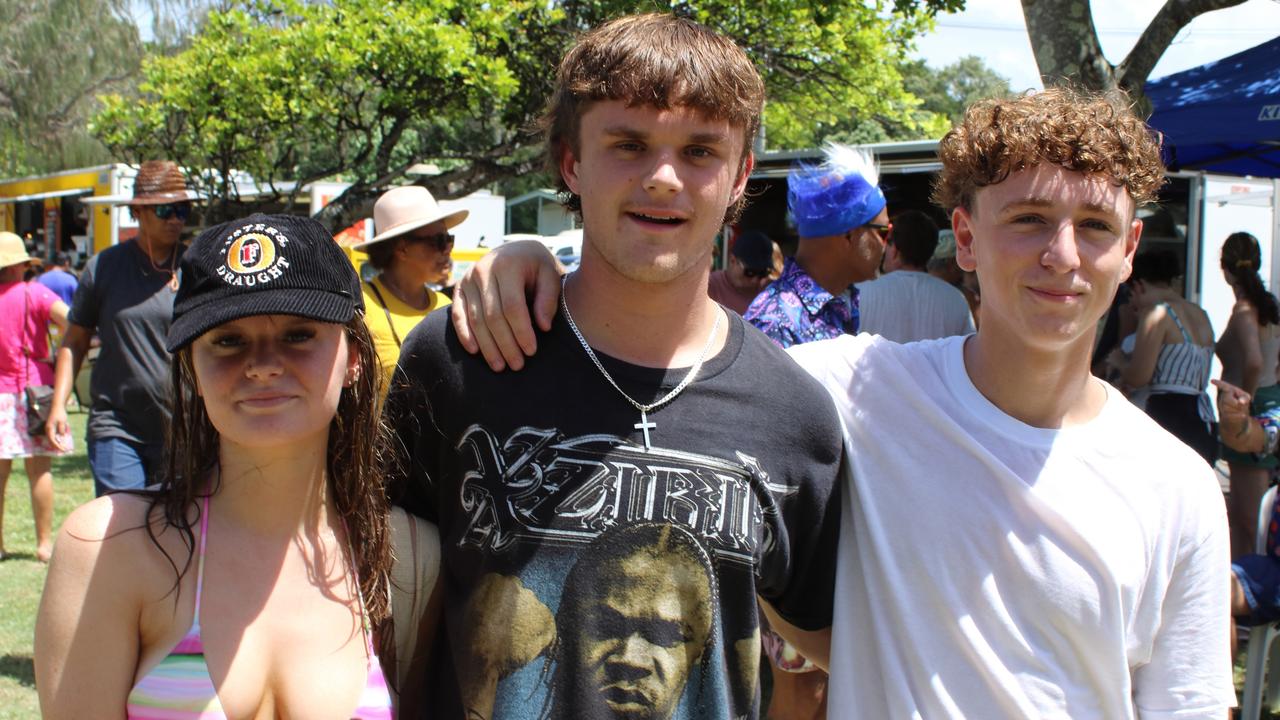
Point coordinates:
[[905, 306], [991, 569]]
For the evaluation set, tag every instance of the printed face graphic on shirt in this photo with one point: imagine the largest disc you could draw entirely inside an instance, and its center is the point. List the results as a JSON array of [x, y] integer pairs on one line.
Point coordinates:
[[604, 564], [635, 620]]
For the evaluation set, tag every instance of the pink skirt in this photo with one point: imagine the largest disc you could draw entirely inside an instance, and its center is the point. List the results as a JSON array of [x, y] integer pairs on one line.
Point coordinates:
[[14, 440]]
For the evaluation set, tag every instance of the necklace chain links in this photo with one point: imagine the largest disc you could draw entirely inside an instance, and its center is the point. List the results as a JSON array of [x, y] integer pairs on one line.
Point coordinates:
[[644, 409]]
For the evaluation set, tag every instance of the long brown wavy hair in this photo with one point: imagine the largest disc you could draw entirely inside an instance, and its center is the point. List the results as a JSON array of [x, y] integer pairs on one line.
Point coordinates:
[[356, 457]]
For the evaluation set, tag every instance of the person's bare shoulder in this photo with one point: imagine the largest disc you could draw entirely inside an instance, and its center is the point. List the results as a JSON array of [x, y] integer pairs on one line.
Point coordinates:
[[1244, 308], [105, 540]]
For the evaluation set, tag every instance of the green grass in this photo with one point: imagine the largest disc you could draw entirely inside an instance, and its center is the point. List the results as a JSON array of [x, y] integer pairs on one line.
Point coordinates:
[[22, 578]]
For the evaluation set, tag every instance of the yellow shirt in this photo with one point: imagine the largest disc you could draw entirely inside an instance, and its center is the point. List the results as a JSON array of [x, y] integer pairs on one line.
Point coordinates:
[[403, 318]]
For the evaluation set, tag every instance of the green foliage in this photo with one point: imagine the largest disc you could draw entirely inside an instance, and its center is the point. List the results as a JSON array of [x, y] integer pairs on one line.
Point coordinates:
[[288, 90], [949, 90], [292, 90], [55, 55], [942, 94]]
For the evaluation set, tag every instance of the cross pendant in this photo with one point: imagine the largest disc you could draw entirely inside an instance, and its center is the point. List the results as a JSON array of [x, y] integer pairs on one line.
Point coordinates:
[[645, 426]]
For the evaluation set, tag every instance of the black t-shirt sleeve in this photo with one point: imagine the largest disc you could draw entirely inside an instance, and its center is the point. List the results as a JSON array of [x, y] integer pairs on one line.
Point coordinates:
[[415, 439], [797, 575], [807, 600]]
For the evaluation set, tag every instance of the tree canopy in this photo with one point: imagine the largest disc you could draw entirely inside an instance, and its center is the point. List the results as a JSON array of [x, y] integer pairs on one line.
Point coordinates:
[[944, 93], [364, 89], [55, 56]]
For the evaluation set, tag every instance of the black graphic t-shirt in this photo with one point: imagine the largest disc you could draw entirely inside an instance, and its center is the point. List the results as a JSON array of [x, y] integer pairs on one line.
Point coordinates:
[[589, 577]]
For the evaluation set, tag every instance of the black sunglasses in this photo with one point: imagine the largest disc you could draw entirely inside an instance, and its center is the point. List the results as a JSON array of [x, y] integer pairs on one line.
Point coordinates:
[[439, 241], [182, 211], [885, 230], [756, 272]]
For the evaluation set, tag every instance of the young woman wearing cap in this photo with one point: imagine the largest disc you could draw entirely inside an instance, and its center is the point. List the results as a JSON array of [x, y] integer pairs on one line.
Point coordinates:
[[256, 579], [1173, 348], [26, 309], [410, 250]]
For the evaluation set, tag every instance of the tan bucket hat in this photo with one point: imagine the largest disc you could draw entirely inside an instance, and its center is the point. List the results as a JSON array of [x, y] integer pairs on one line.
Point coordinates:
[[407, 208], [12, 250], [159, 182]]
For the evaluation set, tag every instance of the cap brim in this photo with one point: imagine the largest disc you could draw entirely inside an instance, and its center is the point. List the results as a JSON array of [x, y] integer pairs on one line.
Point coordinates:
[[450, 220], [322, 305]]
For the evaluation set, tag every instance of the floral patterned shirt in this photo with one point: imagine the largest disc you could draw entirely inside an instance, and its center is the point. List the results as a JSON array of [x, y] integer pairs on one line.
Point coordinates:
[[794, 309]]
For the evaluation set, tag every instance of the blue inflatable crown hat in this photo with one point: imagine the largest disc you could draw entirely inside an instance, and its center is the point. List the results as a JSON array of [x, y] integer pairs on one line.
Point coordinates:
[[836, 196]]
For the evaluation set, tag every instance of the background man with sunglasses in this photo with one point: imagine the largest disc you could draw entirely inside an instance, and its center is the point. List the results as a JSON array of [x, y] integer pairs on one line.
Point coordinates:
[[749, 270], [411, 249], [126, 296], [906, 303], [842, 220]]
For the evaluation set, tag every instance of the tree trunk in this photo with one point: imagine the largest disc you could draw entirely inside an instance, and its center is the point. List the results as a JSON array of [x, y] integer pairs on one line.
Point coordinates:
[[1065, 43]]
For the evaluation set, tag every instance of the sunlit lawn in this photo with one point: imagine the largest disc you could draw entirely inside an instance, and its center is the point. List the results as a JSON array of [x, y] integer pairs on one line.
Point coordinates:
[[21, 577]]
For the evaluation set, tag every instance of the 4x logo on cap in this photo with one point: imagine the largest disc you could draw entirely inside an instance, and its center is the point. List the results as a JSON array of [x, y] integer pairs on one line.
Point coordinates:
[[252, 255]]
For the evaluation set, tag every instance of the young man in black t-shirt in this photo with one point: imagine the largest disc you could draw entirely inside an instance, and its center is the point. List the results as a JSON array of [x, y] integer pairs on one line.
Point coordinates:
[[610, 515]]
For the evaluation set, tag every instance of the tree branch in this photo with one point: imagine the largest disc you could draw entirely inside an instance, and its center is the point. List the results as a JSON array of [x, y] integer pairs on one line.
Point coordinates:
[[1132, 73]]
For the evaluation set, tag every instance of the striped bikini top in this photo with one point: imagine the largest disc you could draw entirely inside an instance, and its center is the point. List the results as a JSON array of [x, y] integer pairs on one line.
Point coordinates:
[[181, 687], [1183, 368]]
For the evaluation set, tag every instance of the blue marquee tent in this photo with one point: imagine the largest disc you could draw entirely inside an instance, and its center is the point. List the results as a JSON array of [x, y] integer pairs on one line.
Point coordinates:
[[1223, 116]]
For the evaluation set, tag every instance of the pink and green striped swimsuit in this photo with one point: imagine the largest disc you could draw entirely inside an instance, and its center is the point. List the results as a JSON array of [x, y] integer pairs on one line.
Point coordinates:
[[181, 687]]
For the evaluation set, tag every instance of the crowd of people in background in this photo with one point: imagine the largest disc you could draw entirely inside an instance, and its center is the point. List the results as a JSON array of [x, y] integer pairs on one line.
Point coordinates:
[[310, 445]]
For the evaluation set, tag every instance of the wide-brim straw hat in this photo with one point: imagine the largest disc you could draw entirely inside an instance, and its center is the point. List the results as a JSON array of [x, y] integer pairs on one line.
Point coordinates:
[[405, 209], [159, 182], [12, 250]]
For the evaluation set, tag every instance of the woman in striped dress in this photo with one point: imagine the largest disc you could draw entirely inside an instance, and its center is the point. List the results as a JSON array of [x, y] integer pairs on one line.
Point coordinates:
[[1172, 353]]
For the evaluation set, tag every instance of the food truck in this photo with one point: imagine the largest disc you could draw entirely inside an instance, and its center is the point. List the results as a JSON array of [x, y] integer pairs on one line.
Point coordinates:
[[55, 211]]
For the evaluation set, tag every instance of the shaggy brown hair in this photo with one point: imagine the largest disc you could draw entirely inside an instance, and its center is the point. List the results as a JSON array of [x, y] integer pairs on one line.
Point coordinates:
[[1095, 134], [357, 451], [658, 60]]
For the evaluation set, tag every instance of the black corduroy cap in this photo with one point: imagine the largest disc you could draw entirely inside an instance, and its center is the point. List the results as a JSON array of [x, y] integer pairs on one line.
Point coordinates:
[[262, 265]]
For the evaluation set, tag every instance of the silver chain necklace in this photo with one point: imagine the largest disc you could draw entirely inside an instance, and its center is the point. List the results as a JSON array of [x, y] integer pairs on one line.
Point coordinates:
[[644, 425]]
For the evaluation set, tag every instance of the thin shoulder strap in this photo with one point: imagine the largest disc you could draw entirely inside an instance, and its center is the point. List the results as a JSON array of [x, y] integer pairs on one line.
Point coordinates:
[[1185, 335], [391, 324], [26, 351], [204, 533]]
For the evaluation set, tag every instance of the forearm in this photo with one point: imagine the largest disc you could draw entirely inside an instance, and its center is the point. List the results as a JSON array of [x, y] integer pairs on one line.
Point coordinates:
[[66, 368], [813, 644], [1243, 435]]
